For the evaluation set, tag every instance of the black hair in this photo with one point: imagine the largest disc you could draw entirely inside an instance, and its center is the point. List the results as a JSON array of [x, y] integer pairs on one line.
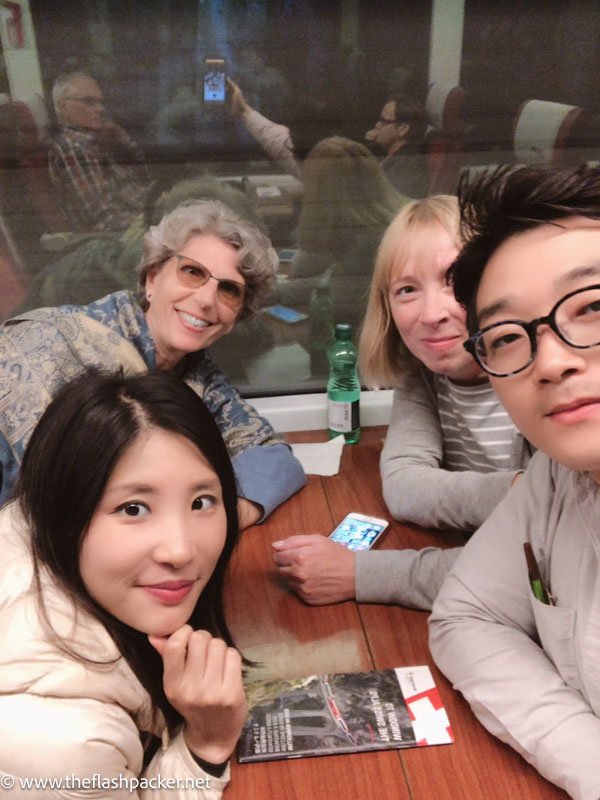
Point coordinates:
[[69, 459], [509, 200], [407, 109]]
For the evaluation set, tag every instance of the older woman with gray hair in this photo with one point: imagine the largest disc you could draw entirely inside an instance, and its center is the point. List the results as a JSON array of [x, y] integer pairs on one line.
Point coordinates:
[[204, 268]]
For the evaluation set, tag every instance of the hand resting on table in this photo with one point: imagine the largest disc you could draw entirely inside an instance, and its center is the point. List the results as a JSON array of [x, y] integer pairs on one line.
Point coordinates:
[[319, 570]]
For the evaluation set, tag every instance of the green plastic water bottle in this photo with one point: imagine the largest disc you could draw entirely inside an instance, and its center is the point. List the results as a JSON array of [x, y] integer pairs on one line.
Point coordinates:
[[343, 387]]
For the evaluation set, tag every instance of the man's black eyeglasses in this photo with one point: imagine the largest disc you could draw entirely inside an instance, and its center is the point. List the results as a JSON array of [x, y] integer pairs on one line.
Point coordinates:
[[508, 347]]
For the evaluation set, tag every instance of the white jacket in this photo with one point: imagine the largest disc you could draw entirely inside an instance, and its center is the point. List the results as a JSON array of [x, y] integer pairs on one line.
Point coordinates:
[[74, 723]]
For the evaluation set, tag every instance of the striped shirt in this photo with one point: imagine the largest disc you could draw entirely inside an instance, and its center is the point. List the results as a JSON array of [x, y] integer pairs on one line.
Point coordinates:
[[478, 434]]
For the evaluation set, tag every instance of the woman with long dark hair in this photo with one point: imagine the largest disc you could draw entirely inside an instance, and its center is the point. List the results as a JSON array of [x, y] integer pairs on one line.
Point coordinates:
[[111, 595]]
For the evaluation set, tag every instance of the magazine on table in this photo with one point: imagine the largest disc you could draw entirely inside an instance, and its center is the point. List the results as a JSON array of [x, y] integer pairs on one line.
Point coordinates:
[[347, 712]]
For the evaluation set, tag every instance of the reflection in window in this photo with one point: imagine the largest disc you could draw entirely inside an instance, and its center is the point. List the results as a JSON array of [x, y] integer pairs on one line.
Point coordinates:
[[286, 148]]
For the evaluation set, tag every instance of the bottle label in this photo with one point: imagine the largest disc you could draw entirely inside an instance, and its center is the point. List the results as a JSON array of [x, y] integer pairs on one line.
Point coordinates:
[[343, 417]]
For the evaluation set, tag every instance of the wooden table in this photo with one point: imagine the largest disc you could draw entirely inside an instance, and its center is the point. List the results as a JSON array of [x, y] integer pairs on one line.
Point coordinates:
[[291, 639]]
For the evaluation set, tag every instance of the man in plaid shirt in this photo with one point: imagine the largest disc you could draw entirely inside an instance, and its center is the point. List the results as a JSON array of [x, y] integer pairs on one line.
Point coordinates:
[[91, 160]]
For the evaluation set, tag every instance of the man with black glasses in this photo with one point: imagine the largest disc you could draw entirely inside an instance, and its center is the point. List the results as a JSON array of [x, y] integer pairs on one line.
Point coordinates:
[[96, 167], [516, 625], [399, 133]]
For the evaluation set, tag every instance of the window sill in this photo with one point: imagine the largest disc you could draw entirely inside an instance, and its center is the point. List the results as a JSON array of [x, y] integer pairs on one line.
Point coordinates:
[[306, 412]]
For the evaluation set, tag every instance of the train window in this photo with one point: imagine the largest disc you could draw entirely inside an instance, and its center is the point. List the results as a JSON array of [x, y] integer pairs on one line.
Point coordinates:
[[315, 121]]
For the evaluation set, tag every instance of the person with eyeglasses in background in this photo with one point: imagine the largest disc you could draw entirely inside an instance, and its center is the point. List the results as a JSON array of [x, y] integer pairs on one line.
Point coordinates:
[[96, 167], [516, 626], [204, 269], [399, 134]]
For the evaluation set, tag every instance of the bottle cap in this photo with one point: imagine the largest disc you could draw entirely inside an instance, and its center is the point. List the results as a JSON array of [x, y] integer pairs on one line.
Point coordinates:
[[343, 330]]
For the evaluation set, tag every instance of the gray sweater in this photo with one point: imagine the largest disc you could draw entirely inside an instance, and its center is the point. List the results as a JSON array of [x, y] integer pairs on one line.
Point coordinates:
[[419, 489], [531, 671]]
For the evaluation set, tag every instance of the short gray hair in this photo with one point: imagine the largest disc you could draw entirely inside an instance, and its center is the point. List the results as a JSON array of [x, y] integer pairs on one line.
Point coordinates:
[[63, 83], [257, 260]]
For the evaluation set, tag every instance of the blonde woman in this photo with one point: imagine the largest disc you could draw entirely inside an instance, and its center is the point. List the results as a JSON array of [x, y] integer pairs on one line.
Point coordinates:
[[348, 203], [451, 451]]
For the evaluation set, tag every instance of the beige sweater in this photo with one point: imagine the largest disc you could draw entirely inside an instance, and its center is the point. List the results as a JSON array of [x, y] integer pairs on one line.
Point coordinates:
[[531, 671]]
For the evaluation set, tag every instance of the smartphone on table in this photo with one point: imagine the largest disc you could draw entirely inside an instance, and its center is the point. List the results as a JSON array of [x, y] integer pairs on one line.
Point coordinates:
[[287, 255], [285, 314], [215, 86], [359, 531]]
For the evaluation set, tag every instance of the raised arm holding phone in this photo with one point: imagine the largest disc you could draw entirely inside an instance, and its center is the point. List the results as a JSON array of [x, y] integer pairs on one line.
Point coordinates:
[[275, 139]]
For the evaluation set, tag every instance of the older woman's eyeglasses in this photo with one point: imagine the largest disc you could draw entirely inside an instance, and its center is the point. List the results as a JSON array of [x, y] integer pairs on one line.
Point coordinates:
[[194, 275], [508, 347]]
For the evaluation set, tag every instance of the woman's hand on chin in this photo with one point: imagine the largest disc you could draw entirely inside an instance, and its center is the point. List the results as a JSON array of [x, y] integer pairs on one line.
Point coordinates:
[[203, 681]]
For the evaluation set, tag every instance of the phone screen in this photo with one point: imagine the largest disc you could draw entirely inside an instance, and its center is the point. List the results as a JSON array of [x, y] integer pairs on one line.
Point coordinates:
[[358, 531], [285, 314], [214, 80]]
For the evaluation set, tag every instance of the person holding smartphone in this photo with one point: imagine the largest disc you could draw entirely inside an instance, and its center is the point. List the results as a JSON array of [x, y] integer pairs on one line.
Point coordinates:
[[524, 648], [451, 451], [275, 139]]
